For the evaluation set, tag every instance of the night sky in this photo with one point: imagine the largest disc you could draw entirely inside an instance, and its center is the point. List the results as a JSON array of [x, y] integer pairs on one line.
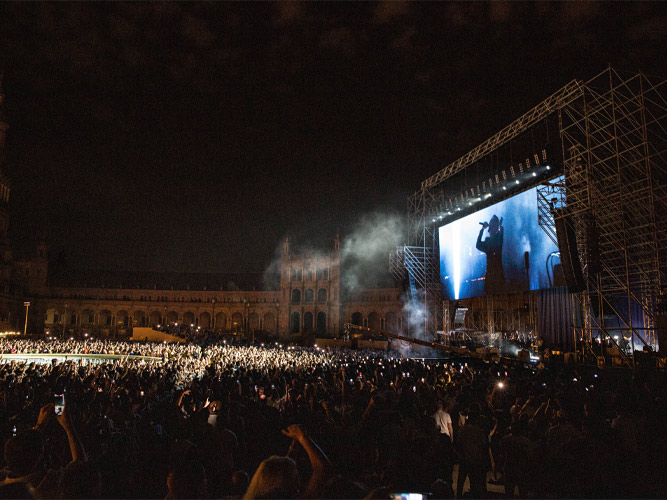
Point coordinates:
[[194, 136]]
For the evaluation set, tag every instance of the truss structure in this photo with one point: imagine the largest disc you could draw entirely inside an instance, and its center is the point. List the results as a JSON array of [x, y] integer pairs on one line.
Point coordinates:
[[423, 205], [613, 132], [614, 140]]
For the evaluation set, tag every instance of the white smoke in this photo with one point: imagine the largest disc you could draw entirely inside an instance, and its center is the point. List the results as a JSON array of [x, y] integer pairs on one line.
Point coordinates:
[[365, 251]]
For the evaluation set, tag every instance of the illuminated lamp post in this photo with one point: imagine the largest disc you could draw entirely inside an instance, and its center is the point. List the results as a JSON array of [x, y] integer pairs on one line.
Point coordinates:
[[25, 327], [65, 323]]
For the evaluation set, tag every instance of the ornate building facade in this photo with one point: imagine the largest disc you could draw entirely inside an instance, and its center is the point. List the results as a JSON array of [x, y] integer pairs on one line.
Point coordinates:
[[308, 301]]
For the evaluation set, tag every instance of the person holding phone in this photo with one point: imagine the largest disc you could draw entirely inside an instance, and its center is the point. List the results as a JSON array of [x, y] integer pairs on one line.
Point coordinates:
[[23, 454]]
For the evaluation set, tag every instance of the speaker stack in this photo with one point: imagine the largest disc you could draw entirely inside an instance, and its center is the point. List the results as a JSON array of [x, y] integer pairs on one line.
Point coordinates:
[[569, 254]]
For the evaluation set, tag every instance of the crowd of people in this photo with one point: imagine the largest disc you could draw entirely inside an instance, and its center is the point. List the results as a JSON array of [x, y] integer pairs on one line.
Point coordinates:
[[279, 421]]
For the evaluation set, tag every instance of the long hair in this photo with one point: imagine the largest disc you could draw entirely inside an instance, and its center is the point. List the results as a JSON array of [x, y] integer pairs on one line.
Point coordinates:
[[276, 477]]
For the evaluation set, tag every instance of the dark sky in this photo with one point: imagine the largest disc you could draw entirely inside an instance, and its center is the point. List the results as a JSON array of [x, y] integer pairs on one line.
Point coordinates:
[[194, 136]]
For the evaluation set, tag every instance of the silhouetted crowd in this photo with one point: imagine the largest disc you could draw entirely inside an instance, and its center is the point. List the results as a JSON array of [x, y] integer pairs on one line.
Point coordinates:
[[229, 421]]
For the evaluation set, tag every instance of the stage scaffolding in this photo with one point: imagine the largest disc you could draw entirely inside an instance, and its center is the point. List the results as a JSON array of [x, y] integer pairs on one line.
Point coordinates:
[[614, 142], [613, 133]]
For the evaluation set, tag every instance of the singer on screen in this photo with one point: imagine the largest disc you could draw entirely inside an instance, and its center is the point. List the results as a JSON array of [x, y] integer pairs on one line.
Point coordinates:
[[492, 246]]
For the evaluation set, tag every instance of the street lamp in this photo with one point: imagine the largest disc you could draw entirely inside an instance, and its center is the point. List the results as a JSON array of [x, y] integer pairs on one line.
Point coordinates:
[[25, 328], [65, 323]]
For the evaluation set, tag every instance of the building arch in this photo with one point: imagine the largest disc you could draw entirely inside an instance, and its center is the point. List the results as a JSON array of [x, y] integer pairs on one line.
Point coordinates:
[[270, 322], [374, 321], [122, 318], [220, 321], [296, 296], [309, 296], [189, 318], [172, 317], [295, 320], [308, 322], [154, 318], [205, 320], [321, 323], [357, 319], [237, 321], [322, 295], [139, 318], [87, 316], [104, 318]]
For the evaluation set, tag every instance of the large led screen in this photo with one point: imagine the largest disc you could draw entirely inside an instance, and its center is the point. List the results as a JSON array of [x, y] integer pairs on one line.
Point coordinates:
[[499, 249]]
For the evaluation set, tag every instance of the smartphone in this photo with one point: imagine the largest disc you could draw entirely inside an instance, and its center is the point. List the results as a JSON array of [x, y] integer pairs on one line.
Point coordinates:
[[408, 496], [59, 402]]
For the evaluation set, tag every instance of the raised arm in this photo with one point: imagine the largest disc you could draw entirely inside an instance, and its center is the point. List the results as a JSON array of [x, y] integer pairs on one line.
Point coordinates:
[[318, 461]]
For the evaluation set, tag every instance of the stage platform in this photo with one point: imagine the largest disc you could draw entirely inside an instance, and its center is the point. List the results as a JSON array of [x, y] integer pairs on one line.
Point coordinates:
[[150, 335]]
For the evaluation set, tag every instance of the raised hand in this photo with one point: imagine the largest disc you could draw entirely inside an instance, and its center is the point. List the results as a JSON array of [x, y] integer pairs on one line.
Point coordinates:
[[45, 413], [294, 432]]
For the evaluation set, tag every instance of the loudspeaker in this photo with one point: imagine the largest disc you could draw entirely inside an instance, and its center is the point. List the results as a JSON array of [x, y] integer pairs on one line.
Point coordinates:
[[569, 255], [661, 330]]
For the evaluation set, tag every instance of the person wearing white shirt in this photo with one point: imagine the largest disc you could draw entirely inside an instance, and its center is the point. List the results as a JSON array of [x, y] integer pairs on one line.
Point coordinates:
[[444, 421]]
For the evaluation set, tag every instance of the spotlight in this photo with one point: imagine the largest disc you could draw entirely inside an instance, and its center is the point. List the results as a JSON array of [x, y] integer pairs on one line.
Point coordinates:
[[517, 181], [548, 167], [534, 174]]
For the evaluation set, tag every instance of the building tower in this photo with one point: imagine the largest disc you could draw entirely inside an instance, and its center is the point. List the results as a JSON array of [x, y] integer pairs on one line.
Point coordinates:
[[5, 248]]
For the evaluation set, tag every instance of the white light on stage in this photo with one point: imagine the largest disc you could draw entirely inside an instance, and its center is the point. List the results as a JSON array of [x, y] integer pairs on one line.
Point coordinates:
[[534, 174], [504, 188], [456, 257], [548, 167], [516, 181]]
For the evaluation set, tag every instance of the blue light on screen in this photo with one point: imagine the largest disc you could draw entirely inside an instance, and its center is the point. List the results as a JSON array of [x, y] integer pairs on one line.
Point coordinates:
[[463, 268]]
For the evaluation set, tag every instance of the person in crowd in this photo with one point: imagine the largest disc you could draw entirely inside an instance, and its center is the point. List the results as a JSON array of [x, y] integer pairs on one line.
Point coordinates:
[[515, 452], [472, 444], [227, 407]]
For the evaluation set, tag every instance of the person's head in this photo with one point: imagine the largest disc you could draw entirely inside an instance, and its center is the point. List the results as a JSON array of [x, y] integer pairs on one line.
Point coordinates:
[[494, 225], [188, 480], [441, 489], [24, 451], [81, 480], [276, 477], [240, 482], [339, 487]]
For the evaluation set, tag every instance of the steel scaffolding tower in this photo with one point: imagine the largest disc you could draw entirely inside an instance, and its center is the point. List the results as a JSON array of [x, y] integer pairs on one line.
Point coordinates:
[[614, 140]]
